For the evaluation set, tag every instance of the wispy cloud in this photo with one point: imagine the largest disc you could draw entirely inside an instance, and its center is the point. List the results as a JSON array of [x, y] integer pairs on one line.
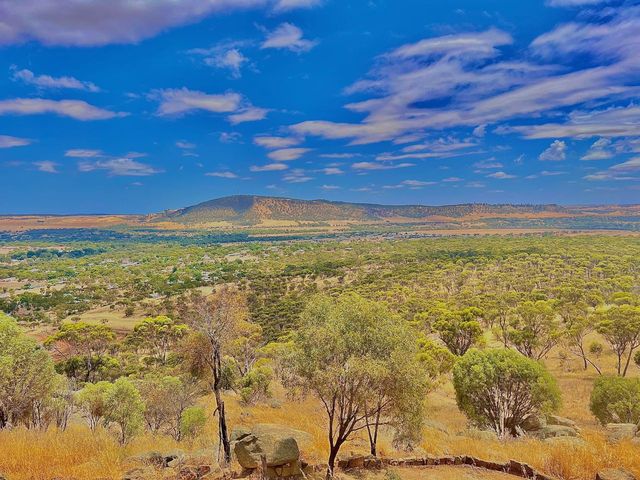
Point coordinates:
[[286, 154], [183, 100], [287, 5], [76, 109], [126, 167], [226, 174], [7, 141], [47, 166], [47, 81], [288, 36], [380, 166], [96, 22], [249, 114], [501, 175], [275, 142], [270, 167], [297, 175], [83, 153]]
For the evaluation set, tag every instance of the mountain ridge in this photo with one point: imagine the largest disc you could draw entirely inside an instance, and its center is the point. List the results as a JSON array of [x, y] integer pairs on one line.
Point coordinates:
[[257, 208]]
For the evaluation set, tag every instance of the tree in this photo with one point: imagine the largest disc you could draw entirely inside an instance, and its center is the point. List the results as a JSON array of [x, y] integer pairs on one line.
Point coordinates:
[[166, 398], [27, 375], [216, 319], [90, 342], [459, 329], [620, 326], [500, 388], [359, 360], [535, 329], [92, 402], [124, 407], [245, 348], [616, 400], [579, 323], [157, 335]]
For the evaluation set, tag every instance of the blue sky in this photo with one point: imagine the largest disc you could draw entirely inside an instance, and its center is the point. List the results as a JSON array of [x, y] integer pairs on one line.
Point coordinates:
[[138, 105]]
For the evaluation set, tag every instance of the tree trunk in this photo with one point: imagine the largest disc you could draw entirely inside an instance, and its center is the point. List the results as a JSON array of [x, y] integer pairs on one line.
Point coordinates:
[[626, 365], [333, 454], [222, 417]]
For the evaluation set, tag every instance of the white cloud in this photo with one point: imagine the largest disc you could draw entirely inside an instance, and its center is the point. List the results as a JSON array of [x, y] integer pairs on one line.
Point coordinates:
[[250, 114], [288, 36], [230, 137], [47, 81], [332, 171], [271, 167], [229, 175], [481, 44], [379, 166], [76, 109], [125, 166], [275, 142], [97, 22], [83, 153], [296, 176], [287, 5], [629, 170], [181, 101], [185, 145], [286, 154], [330, 187], [488, 164], [501, 175], [339, 155], [599, 150], [232, 59], [556, 152], [574, 3], [7, 141], [452, 179], [464, 72], [47, 166]]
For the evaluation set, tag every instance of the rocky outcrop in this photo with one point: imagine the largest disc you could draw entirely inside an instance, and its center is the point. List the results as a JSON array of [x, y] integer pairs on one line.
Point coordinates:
[[271, 447], [615, 474], [621, 431], [550, 426]]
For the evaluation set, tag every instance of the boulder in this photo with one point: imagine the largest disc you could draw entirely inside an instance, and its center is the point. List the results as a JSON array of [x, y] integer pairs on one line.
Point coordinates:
[[615, 474], [558, 420], [621, 431], [275, 443], [534, 423], [551, 431]]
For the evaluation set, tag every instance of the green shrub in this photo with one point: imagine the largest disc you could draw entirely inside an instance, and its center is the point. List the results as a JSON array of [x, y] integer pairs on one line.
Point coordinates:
[[616, 400], [499, 388], [192, 422], [254, 386]]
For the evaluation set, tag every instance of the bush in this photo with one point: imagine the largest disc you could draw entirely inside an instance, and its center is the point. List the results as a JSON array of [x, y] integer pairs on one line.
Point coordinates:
[[499, 389], [616, 400], [254, 386], [192, 422]]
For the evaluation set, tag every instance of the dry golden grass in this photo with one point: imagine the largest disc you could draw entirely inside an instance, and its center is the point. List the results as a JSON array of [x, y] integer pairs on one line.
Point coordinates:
[[79, 454]]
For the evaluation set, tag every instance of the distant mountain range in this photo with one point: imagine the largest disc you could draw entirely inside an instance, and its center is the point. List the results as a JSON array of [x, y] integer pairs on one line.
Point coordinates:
[[253, 209]]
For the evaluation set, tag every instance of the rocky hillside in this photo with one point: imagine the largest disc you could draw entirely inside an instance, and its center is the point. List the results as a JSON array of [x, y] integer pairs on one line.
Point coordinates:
[[256, 209]]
